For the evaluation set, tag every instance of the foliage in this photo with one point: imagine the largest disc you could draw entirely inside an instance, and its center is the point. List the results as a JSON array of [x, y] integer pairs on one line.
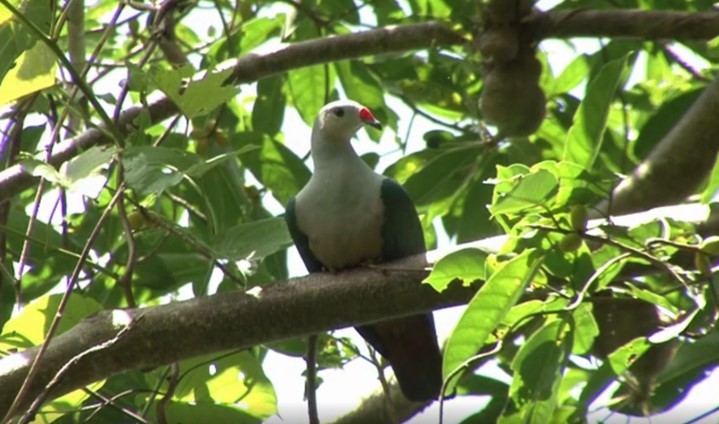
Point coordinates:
[[185, 207]]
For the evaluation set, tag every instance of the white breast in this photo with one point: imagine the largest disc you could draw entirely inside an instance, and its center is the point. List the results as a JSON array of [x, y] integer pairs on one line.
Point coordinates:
[[342, 217]]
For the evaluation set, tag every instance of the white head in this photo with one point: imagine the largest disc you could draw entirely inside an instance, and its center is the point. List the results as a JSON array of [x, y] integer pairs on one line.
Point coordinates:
[[341, 119]]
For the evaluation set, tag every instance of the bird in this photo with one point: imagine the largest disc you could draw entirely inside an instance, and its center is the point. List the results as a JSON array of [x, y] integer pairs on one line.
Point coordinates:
[[348, 216]]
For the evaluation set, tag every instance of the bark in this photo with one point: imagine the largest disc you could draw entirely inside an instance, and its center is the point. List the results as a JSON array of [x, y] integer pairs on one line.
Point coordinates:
[[115, 341], [149, 337], [641, 24], [677, 165], [554, 24]]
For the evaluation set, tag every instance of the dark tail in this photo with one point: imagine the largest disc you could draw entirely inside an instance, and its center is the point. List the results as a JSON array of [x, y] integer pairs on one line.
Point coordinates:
[[410, 346]]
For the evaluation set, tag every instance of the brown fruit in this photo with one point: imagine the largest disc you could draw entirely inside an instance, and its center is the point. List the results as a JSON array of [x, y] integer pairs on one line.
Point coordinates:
[[499, 45], [511, 98]]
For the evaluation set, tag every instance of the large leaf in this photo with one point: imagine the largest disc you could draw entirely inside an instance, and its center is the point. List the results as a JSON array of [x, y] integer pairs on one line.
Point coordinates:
[[584, 139], [30, 327], [538, 371], [154, 169], [268, 112], [195, 95], [151, 170], [487, 309], [441, 176], [236, 379], [276, 166], [531, 191], [310, 86], [466, 265], [662, 121], [253, 241], [34, 70], [361, 86]]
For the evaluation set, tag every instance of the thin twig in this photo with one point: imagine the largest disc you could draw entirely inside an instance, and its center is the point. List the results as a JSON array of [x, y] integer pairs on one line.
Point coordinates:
[[37, 403], [311, 380], [171, 387], [61, 308]]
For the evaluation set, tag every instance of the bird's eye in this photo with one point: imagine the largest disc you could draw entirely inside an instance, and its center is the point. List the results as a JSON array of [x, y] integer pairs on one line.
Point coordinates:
[[339, 112]]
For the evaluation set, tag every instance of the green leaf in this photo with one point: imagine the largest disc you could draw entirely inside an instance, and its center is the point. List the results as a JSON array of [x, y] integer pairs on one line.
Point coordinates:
[[82, 174], [497, 391], [257, 31], [442, 176], [86, 163], [200, 169], [253, 241], [236, 379], [618, 362], [487, 309], [30, 327], [151, 169], [712, 187], [177, 412], [195, 95], [38, 168], [571, 76], [34, 70], [268, 111], [168, 271], [702, 353], [538, 371], [361, 86], [584, 139], [275, 166], [466, 265], [309, 88], [530, 191], [585, 329]]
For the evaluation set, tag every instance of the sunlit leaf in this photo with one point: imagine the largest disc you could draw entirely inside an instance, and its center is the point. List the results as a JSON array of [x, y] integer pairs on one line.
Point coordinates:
[[584, 139], [538, 369], [195, 95], [34, 70], [30, 327], [466, 265], [253, 241], [235, 380], [531, 191], [487, 309]]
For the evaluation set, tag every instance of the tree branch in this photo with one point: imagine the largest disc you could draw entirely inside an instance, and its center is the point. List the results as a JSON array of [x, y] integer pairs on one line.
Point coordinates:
[[642, 24], [250, 68], [677, 165], [374, 409], [164, 334], [161, 335]]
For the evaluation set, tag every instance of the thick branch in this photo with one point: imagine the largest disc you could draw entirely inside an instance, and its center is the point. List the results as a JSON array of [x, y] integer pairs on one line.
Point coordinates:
[[165, 334], [254, 67], [154, 336], [642, 24], [374, 409], [555, 24], [679, 162]]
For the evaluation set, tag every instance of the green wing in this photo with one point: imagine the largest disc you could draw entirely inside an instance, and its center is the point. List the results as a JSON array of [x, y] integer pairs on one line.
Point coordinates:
[[300, 239], [401, 232]]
